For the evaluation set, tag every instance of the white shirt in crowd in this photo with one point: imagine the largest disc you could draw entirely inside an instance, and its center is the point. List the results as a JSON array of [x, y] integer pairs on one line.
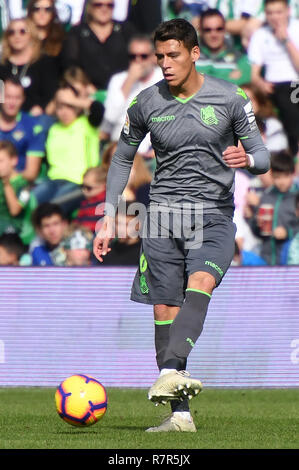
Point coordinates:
[[116, 104], [266, 50]]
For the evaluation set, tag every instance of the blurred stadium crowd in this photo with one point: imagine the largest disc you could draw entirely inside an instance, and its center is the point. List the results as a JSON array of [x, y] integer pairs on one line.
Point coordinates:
[[70, 69]]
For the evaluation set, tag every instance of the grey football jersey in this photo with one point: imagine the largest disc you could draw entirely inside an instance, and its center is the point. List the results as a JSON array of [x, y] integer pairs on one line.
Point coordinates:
[[188, 137]]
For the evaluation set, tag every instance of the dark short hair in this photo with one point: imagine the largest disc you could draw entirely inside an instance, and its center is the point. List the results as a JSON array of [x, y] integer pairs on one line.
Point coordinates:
[[267, 2], [178, 29], [209, 13], [282, 162], [297, 201], [44, 210], [13, 244]]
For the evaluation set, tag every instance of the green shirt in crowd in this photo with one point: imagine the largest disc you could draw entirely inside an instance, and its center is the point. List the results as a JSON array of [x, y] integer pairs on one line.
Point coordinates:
[[229, 64], [9, 223], [72, 149]]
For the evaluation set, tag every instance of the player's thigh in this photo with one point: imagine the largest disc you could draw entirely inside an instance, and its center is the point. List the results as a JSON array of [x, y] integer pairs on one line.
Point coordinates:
[[160, 278], [217, 250]]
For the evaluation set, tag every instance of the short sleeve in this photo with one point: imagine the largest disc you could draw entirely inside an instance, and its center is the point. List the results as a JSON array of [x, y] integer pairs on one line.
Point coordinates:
[[36, 144]]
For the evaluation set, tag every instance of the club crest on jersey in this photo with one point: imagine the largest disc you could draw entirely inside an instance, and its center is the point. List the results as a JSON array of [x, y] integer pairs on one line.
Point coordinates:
[[127, 125], [208, 116]]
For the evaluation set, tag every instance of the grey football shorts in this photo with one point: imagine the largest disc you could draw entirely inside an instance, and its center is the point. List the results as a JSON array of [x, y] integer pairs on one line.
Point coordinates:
[[167, 262]]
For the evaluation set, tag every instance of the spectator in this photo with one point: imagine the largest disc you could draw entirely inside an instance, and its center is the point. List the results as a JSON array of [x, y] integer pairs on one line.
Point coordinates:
[[125, 86], [49, 29], [12, 249], [99, 45], [274, 48], [91, 210], [14, 193], [22, 59], [217, 57], [125, 248], [22, 130], [78, 246], [293, 248], [273, 133], [76, 79], [50, 225], [72, 147], [273, 219]]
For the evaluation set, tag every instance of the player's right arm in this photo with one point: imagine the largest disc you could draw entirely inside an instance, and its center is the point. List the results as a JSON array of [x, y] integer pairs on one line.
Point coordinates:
[[133, 133]]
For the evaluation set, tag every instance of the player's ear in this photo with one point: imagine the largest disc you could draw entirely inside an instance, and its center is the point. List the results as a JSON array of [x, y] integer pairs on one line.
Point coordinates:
[[195, 53]]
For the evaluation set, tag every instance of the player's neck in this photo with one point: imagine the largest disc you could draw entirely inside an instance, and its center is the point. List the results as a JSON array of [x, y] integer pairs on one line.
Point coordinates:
[[191, 86]]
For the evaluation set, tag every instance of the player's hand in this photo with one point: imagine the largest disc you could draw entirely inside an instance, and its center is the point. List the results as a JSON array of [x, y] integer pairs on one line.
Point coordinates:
[[235, 157], [101, 241]]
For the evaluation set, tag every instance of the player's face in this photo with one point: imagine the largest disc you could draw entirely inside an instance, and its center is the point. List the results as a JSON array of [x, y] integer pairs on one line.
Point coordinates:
[[13, 99], [277, 13], [176, 61], [52, 229], [213, 32]]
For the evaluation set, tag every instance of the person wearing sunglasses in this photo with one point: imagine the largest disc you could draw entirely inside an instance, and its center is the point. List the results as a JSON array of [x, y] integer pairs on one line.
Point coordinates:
[[22, 59], [49, 29], [218, 57], [99, 44], [124, 86]]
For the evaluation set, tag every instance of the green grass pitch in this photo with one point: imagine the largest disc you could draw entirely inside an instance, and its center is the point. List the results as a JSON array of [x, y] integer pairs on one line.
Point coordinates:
[[226, 419]]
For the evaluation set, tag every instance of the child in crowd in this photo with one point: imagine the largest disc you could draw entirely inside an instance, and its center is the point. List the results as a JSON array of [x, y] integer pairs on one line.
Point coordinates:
[[12, 250], [72, 147], [50, 225], [94, 190], [273, 218], [14, 194], [78, 246]]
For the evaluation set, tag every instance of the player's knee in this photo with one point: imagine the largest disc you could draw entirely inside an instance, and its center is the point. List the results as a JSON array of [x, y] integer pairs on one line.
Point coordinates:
[[164, 312], [202, 281]]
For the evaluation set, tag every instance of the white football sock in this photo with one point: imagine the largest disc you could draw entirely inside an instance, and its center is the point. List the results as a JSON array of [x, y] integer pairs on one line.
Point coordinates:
[[165, 371]]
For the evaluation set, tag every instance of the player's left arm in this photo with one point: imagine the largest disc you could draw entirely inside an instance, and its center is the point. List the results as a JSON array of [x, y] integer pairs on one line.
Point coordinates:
[[251, 152]]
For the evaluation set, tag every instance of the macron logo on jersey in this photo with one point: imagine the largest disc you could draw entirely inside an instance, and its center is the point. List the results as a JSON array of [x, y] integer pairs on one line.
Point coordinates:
[[163, 118]]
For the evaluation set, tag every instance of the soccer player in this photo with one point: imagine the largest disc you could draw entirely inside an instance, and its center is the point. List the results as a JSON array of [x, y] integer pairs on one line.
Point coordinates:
[[195, 122]]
